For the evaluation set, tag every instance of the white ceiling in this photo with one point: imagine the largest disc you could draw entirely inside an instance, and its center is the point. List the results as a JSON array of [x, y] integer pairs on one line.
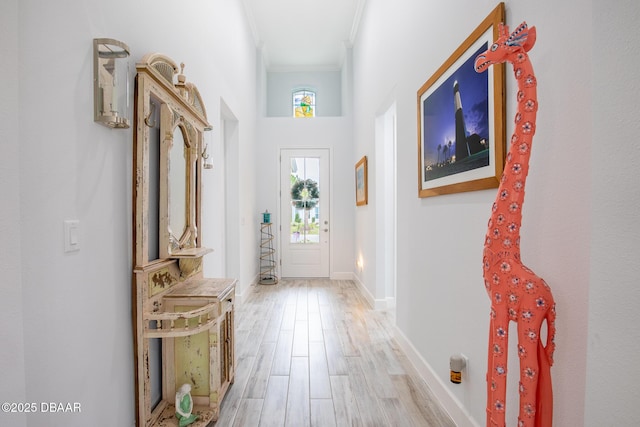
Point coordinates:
[[303, 34]]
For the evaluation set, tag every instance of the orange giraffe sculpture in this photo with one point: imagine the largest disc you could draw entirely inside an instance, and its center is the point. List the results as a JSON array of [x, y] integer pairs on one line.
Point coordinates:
[[516, 292]]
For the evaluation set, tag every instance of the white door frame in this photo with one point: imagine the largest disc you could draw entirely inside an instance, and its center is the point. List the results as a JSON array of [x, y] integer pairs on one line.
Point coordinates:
[[229, 134], [386, 208], [323, 267]]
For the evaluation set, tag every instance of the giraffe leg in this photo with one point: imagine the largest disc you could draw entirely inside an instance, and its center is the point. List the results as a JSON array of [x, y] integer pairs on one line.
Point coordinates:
[[489, 377], [544, 393], [497, 369], [528, 339]]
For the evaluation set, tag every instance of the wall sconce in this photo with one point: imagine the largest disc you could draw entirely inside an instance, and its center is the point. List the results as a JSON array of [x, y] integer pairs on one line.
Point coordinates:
[[208, 139], [111, 83]]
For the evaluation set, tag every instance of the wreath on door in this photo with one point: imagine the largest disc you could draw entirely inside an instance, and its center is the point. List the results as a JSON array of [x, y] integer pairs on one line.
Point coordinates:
[[305, 194]]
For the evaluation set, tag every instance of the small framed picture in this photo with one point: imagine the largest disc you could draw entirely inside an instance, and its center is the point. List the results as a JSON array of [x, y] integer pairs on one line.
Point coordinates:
[[361, 182]]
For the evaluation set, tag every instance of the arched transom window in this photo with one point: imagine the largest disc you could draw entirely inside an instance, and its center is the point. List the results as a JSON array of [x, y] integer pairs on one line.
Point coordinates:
[[304, 103]]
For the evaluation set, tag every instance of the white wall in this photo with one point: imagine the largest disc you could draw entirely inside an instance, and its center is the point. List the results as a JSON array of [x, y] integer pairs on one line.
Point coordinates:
[[613, 392], [73, 311], [326, 84], [65, 323], [319, 132], [12, 386], [442, 306]]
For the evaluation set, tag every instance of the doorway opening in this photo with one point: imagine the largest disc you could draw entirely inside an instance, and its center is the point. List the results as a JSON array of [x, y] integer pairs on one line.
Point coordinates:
[[230, 258], [304, 211], [386, 203]]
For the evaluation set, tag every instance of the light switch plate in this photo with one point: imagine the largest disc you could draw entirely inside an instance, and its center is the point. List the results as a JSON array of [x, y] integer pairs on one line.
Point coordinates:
[[72, 235]]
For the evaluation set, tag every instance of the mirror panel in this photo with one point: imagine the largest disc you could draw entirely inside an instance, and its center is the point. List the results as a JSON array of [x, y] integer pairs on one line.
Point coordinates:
[[178, 186], [153, 204], [178, 192]]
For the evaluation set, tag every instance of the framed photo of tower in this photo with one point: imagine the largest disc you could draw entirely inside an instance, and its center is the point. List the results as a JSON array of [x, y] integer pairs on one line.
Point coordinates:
[[461, 119]]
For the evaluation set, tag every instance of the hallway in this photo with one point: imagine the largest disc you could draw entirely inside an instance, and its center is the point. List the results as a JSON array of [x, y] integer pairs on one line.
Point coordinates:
[[313, 353]]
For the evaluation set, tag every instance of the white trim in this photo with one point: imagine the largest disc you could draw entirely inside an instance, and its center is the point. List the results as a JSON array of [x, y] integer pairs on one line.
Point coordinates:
[[441, 392], [303, 68], [356, 21], [391, 302], [340, 275], [449, 402], [376, 304], [381, 304], [363, 290], [279, 225], [386, 212], [242, 294]]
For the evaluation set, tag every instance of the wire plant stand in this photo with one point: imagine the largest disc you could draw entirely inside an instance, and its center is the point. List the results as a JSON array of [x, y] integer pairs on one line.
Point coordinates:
[[267, 256]]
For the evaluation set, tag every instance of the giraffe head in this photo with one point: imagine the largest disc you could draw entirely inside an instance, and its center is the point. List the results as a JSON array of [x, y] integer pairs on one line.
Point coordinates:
[[507, 46]]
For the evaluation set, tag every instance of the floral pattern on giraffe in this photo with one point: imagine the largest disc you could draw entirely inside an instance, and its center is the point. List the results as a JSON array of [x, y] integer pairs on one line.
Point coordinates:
[[517, 293]]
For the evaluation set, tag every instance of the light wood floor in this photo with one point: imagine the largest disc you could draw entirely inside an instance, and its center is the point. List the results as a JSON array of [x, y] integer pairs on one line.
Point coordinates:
[[313, 353]]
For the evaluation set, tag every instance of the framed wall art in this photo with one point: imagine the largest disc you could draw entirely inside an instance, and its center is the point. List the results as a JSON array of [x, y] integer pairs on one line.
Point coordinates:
[[461, 119], [361, 182]]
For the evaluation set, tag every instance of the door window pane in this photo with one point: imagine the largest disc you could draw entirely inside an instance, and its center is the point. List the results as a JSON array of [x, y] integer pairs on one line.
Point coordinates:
[[305, 200]]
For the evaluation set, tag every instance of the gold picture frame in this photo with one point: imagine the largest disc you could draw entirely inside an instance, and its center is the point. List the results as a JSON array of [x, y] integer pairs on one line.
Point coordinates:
[[362, 182], [460, 152]]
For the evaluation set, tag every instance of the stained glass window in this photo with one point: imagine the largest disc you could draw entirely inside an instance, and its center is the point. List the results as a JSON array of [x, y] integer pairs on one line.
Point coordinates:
[[304, 103]]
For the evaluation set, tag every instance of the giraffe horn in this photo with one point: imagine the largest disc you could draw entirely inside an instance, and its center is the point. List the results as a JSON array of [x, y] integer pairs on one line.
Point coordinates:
[[503, 30]]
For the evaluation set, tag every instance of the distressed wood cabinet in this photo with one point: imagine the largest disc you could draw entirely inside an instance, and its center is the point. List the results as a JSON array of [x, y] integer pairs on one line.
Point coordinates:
[[183, 322]]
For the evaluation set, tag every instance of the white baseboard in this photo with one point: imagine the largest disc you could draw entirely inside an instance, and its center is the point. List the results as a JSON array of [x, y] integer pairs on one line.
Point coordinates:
[[449, 401], [241, 294], [364, 291], [376, 304], [391, 302], [339, 275]]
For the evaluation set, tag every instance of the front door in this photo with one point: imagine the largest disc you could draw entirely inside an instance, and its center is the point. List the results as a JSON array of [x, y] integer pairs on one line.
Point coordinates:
[[304, 207]]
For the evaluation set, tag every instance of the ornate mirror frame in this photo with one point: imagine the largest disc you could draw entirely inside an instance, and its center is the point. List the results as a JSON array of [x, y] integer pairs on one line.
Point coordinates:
[[164, 260], [173, 241], [181, 105]]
